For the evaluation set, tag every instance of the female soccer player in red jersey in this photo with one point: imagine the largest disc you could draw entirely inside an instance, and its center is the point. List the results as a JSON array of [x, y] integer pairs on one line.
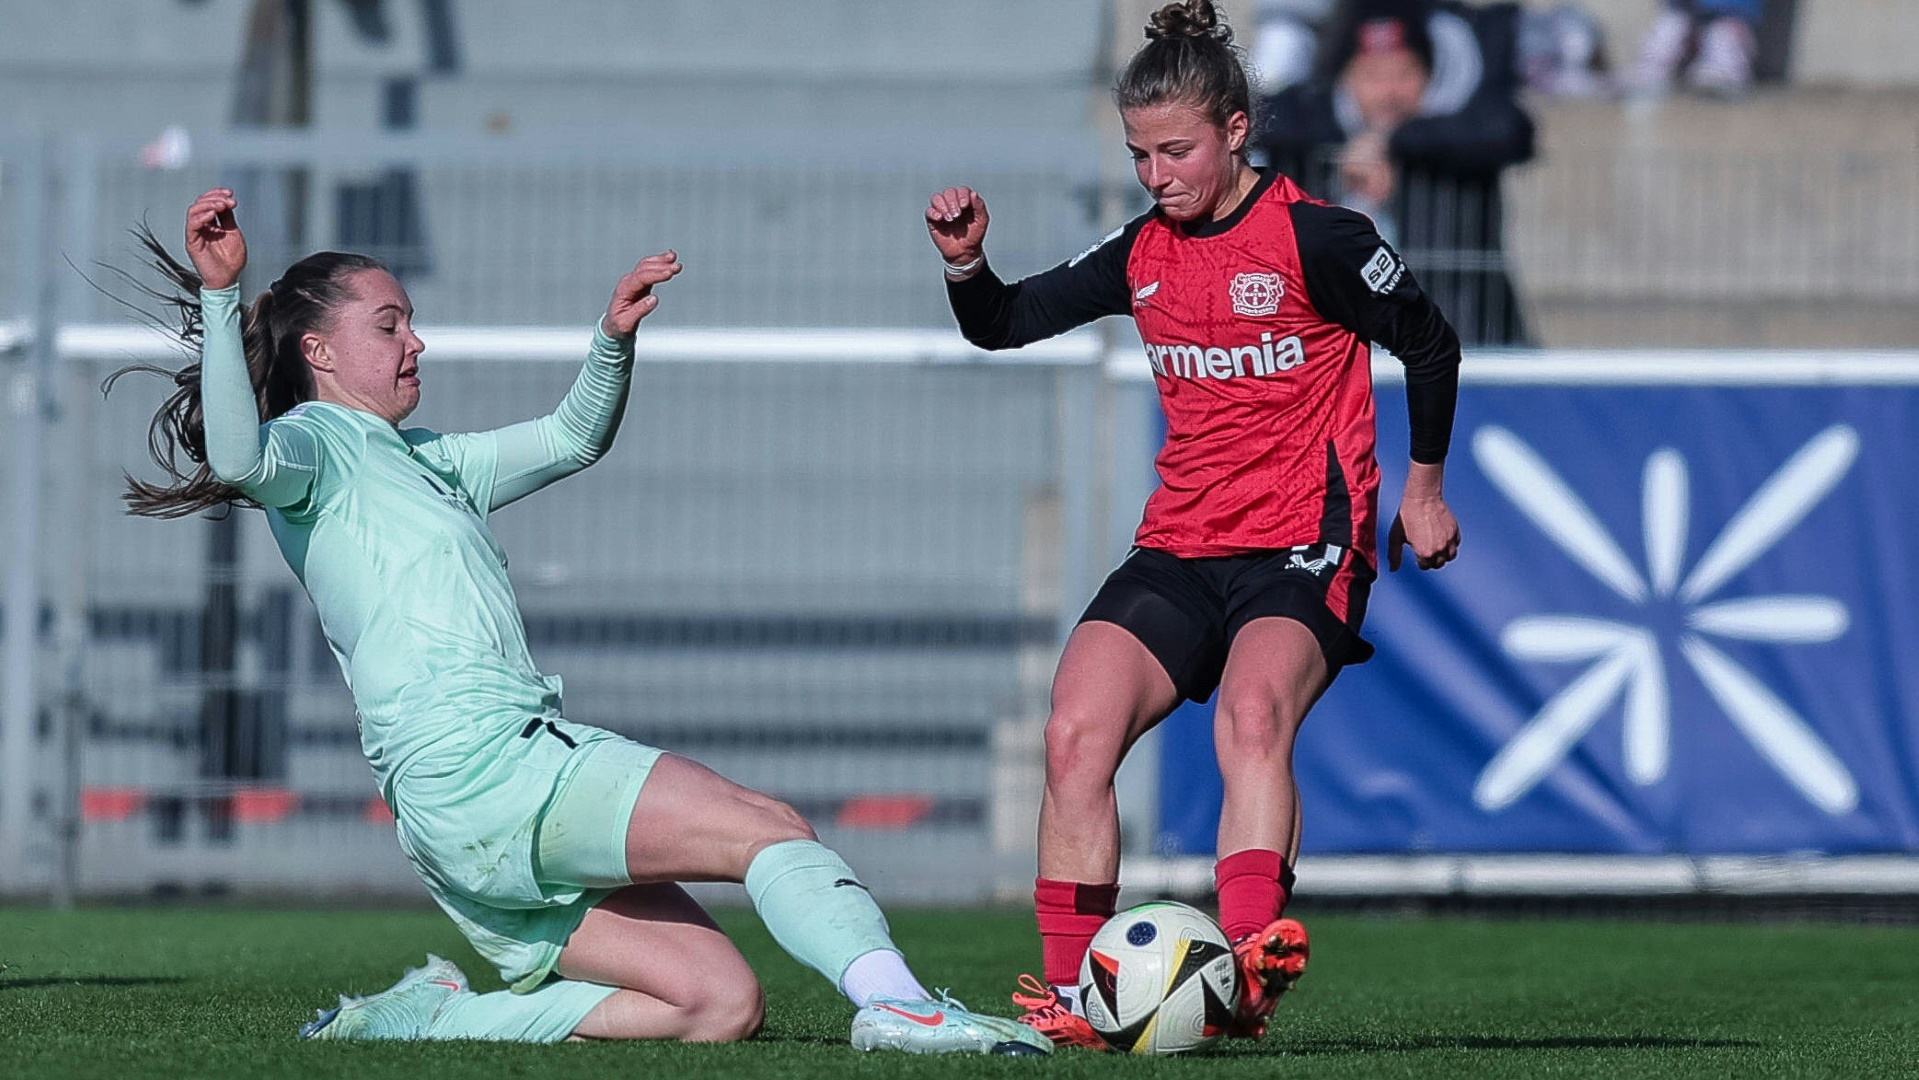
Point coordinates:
[[1255, 554]]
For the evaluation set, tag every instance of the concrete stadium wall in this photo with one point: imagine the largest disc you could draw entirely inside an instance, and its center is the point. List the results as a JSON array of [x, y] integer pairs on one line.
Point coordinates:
[[1860, 43], [121, 68]]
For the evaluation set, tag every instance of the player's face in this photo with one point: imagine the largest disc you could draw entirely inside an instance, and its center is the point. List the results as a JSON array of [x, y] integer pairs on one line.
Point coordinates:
[[1387, 86], [1185, 161], [371, 351]]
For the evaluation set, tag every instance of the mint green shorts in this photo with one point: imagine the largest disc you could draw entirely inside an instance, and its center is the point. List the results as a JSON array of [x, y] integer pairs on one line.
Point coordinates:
[[518, 845]]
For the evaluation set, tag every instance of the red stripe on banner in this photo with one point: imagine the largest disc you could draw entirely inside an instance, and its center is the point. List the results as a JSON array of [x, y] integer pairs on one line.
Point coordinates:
[[110, 804], [884, 811], [264, 805], [377, 812]]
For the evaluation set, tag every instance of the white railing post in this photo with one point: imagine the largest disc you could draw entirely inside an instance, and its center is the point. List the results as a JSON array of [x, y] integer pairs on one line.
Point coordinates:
[[28, 391]]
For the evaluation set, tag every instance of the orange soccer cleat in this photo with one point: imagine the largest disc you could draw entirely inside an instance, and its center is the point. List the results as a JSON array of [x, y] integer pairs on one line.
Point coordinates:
[[1270, 962], [1048, 1015]]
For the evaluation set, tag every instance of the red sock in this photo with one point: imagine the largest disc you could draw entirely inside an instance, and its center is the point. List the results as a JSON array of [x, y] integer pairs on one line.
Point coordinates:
[[1251, 893], [1070, 913]]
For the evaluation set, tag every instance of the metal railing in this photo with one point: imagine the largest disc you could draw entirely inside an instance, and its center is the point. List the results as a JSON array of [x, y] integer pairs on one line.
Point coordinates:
[[832, 563], [836, 549]]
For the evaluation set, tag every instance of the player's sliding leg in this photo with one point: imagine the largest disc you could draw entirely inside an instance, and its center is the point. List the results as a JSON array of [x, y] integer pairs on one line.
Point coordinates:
[[404, 1010], [1273, 676], [691, 824], [646, 963], [433, 1002], [835, 928], [681, 977], [1109, 691]]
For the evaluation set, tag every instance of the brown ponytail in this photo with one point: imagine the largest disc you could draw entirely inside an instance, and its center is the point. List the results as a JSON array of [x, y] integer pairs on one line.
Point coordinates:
[[270, 331], [1188, 19], [1188, 58]]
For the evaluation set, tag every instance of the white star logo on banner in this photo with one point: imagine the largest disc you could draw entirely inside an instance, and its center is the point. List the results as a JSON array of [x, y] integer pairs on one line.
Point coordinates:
[[1626, 658]]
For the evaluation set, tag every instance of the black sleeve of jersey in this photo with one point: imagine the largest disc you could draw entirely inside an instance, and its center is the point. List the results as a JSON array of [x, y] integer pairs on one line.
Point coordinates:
[[1357, 280], [995, 315]]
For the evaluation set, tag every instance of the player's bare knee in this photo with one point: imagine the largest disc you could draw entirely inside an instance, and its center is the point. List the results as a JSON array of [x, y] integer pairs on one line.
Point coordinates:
[[752, 1014], [732, 1011], [768, 823], [785, 823], [1254, 732], [773, 822], [1078, 753]]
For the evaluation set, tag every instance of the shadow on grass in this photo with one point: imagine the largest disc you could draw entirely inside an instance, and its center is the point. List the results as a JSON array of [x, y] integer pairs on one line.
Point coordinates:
[[1405, 1043], [794, 1038], [1385, 1044], [88, 980]]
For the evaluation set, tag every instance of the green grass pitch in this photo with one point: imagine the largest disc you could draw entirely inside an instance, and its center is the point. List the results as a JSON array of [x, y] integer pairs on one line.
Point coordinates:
[[216, 993]]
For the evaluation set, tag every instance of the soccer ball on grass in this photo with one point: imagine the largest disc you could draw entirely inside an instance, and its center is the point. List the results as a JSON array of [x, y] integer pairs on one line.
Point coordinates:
[[1159, 979]]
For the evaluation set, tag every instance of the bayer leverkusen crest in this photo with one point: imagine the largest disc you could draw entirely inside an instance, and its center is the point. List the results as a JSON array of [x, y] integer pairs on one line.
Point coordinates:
[[1257, 294]]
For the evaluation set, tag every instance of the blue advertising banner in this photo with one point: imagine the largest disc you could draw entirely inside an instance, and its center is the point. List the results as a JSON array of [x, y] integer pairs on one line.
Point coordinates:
[[1683, 620]]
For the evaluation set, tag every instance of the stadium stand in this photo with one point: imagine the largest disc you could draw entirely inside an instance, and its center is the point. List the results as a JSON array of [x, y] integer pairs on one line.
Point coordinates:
[[807, 602]]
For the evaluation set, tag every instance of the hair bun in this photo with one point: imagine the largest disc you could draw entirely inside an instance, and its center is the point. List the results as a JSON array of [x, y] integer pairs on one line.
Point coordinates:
[[1190, 19]]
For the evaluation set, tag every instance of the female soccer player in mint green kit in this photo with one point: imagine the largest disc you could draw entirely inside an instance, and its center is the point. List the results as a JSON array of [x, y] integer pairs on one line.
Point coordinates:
[[553, 845]]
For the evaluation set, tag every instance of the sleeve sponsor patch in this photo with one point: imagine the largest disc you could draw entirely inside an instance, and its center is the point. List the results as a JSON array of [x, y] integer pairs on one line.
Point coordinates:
[[1097, 244], [1383, 271]]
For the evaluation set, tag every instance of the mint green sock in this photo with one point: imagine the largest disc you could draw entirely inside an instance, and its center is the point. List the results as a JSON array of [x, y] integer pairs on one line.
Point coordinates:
[[816, 908], [546, 1015]]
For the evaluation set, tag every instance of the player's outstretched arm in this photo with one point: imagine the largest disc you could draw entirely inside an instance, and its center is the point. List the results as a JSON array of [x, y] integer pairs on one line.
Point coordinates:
[[633, 297], [1424, 522], [229, 409], [956, 219], [579, 432], [279, 471], [214, 241], [282, 471], [995, 315]]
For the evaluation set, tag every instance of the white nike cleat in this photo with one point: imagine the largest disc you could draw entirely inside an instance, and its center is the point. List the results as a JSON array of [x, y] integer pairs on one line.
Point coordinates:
[[401, 1011], [941, 1026]]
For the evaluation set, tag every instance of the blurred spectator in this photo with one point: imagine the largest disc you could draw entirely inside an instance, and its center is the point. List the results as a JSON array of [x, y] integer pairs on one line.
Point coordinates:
[[1410, 118], [1562, 52], [1712, 41], [1285, 39]]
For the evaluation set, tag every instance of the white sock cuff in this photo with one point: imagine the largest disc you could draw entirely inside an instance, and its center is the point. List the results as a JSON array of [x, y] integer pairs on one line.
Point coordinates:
[[881, 973]]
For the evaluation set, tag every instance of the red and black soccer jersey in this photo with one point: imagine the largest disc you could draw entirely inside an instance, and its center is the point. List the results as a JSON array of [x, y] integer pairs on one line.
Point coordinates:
[[1256, 327]]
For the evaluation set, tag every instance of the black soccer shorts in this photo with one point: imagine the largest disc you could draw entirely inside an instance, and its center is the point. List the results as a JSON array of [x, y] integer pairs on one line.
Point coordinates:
[[1188, 611]]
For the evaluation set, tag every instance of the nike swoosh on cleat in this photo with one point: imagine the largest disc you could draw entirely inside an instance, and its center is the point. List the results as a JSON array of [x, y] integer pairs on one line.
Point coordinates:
[[934, 1020], [453, 986]]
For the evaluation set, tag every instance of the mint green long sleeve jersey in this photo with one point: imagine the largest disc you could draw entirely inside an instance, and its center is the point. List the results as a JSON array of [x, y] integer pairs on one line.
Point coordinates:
[[387, 530]]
